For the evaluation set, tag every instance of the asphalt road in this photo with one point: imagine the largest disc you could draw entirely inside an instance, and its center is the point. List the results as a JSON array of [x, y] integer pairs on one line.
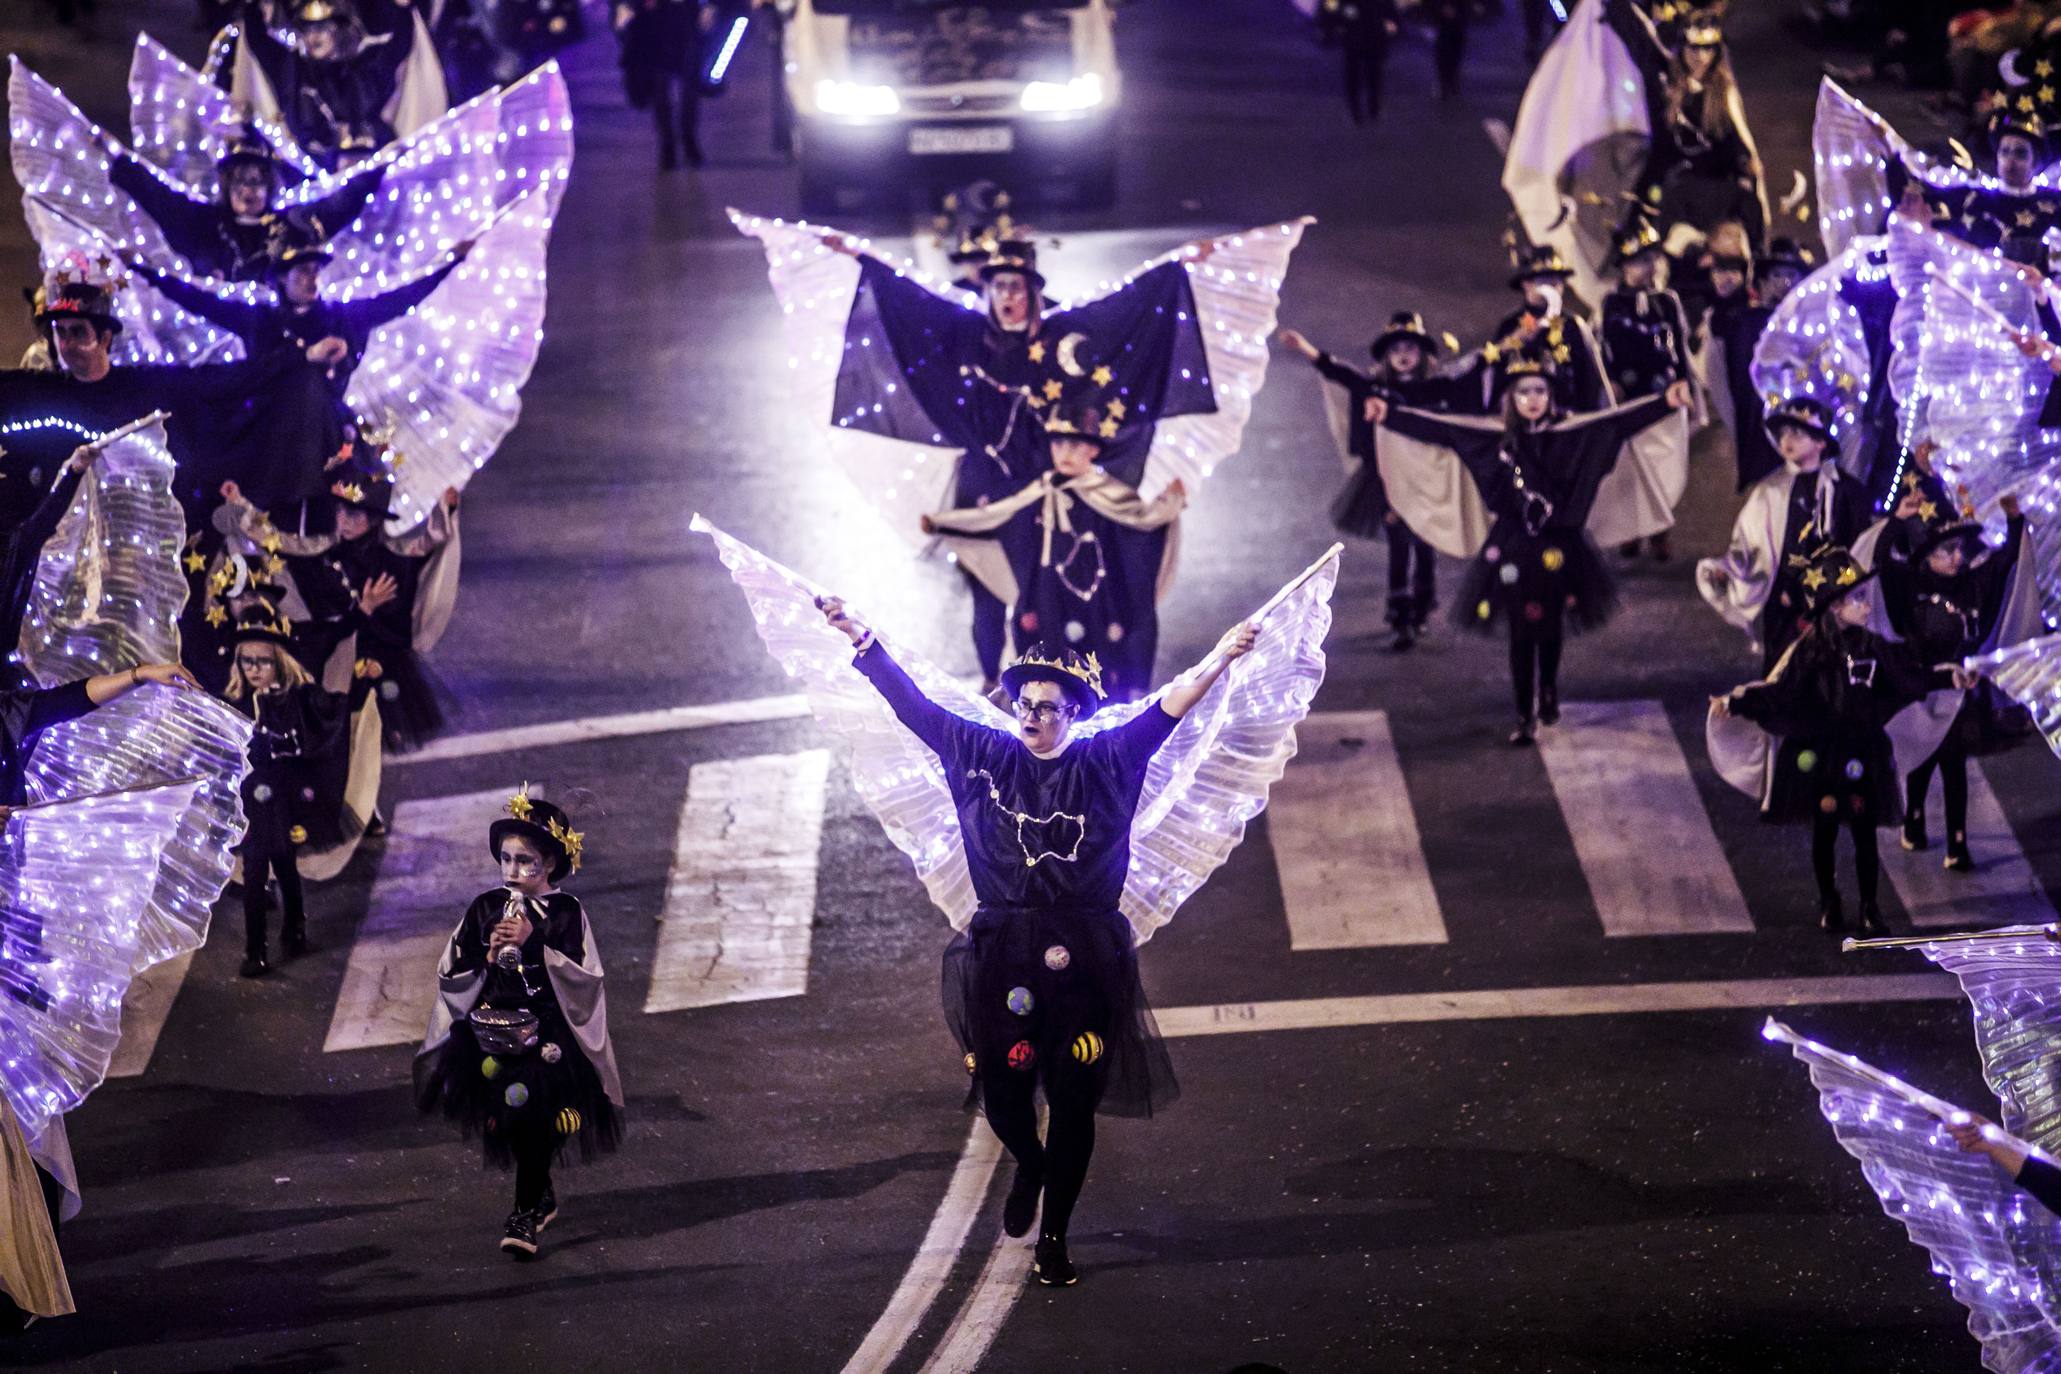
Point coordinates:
[[1601, 1192]]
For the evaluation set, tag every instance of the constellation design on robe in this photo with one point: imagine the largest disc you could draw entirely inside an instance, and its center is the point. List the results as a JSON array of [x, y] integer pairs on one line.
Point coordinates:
[[1023, 819]]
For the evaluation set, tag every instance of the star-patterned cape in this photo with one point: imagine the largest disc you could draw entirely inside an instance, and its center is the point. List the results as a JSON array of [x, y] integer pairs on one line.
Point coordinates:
[[1208, 780]]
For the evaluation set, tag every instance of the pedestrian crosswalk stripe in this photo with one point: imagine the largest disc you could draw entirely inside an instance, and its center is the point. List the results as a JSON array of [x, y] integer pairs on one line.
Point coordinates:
[[591, 729], [436, 862], [2003, 889], [1345, 840], [1640, 829], [144, 1009], [741, 898]]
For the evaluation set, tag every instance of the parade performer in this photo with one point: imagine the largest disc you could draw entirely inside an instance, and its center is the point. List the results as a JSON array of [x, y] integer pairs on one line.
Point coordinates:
[[1985, 212], [231, 236], [1644, 333], [661, 54], [334, 574], [1830, 700], [1365, 29], [1952, 597], [1702, 167], [905, 379], [1406, 372], [1547, 480], [1053, 843], [518, 1048], [293, 795], [342, 67], [1544, 331], [1089, 558], [1758, 584]]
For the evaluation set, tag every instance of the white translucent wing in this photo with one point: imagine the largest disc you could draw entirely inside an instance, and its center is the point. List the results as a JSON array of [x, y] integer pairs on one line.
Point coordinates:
[[1850, 147], [2014, 989], [900, 779], [1814, 345], [1998, 1250], [1212, 775], [1237, 292], [448, 375], [106, 597], [181, 121], [899, 481], [2030, 673], [74, 879]]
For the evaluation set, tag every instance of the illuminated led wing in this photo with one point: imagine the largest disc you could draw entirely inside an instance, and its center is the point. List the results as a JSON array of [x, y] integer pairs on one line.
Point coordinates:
[[899, 778], [2013, 982], [2030, 673], [448, 375], [1968, 388], [181, 121], [107, 597], [1814, 344], [1237, 292], [1998, 1250], [1209, 779], [74, 880]]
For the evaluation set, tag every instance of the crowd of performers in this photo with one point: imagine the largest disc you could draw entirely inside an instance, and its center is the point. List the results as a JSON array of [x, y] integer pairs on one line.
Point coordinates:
[[279, 327]]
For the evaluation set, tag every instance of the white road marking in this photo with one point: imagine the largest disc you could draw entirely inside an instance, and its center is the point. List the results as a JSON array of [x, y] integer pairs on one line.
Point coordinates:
[[935, 1257], [1619, 773], [741, 897], [144, 1010], [660, 722], [980, 1317], [1604, 999], [1345, 840], [436, 862], [2002, 889]]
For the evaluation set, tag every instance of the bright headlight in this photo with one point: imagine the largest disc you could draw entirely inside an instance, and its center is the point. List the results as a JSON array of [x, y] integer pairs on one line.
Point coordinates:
[[1084, 92], [850, 100]]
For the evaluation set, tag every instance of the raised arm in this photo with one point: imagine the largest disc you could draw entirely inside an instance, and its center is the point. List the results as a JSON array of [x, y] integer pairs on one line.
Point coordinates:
[[367, 315], [939, 729], [335, 211], [187, 224], [240, 318], [1236, 643]]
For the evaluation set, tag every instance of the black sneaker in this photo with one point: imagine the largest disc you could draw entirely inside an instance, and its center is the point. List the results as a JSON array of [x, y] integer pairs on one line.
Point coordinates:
[[1871, 921], [546, 1210], [1052, 1267], [1549, 708], [1022, 1204], [1958, 859], [1831, 914], [1914, 837], [295, 943], [254, 966], [519, 1237], [1526, 732], [1405, 640]]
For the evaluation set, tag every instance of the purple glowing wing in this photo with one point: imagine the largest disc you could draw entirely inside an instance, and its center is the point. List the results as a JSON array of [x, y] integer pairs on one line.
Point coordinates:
[[2013, 984], [447, 376], [181, 122], [75, 877], [2030, 673], [1814, 345], [107, 596], [899, 778], [1998, 1250]]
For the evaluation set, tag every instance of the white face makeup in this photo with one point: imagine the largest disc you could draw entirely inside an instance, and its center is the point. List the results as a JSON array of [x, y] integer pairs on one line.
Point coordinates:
[[1009, 298], [1532, 398], [523, 866]]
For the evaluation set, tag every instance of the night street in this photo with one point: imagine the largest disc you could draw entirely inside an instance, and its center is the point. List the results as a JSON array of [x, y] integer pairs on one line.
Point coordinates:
[[1468, 1037]]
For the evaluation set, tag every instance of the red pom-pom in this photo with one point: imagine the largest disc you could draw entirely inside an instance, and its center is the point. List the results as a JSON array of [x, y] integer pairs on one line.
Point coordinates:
[[1021, 1055]]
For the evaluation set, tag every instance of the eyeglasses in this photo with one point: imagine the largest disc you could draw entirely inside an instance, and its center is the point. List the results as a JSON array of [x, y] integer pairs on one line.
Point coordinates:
[[251, 665], [1042, 710]]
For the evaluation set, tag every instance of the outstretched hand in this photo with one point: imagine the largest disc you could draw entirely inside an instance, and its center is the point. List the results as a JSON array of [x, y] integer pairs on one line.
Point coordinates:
[[840, 619], [1680, 393], [1237, 641]]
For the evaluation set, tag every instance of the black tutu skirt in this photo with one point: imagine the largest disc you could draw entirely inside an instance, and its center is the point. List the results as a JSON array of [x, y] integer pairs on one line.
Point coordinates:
[[1361, 508], [1550, 582], [1851, 776], [414, 703], [1044, 991], [510, 1099]]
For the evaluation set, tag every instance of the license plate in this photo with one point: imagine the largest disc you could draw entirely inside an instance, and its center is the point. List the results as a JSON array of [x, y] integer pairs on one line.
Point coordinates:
[[980, 139]]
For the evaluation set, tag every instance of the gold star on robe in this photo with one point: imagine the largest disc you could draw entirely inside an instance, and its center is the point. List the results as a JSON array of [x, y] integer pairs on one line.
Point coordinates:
[[1102, 376], [1036, 352], [1926, 510], [2043, 68], [1053, 390], [1117, 407], [194, 562], [2026, 219], [216, 615]]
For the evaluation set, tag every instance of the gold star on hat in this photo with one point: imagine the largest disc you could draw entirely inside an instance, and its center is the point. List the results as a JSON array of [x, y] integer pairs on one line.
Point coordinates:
[[216, 615], [1107, 428], [1849, 575], [1813, 580], [194, 562], [1117, 407]]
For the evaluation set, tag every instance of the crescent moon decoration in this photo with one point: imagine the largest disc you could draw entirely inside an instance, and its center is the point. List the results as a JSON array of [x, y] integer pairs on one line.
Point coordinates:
[[1797, 191], [1068, 363], [2007, 67]]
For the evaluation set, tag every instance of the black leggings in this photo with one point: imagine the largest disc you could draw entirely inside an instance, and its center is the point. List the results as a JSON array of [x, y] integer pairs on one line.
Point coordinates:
[[258, 858], [1534, 655], [1448, 47], [1825, 855], [1364, 63], [690, 113], [990, 627], [1009, 1099], [1951, 760], [1412, 575], [533, 1154]]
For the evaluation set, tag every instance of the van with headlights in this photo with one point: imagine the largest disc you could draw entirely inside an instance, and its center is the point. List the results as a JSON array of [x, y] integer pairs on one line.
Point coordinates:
[[930, 93]]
